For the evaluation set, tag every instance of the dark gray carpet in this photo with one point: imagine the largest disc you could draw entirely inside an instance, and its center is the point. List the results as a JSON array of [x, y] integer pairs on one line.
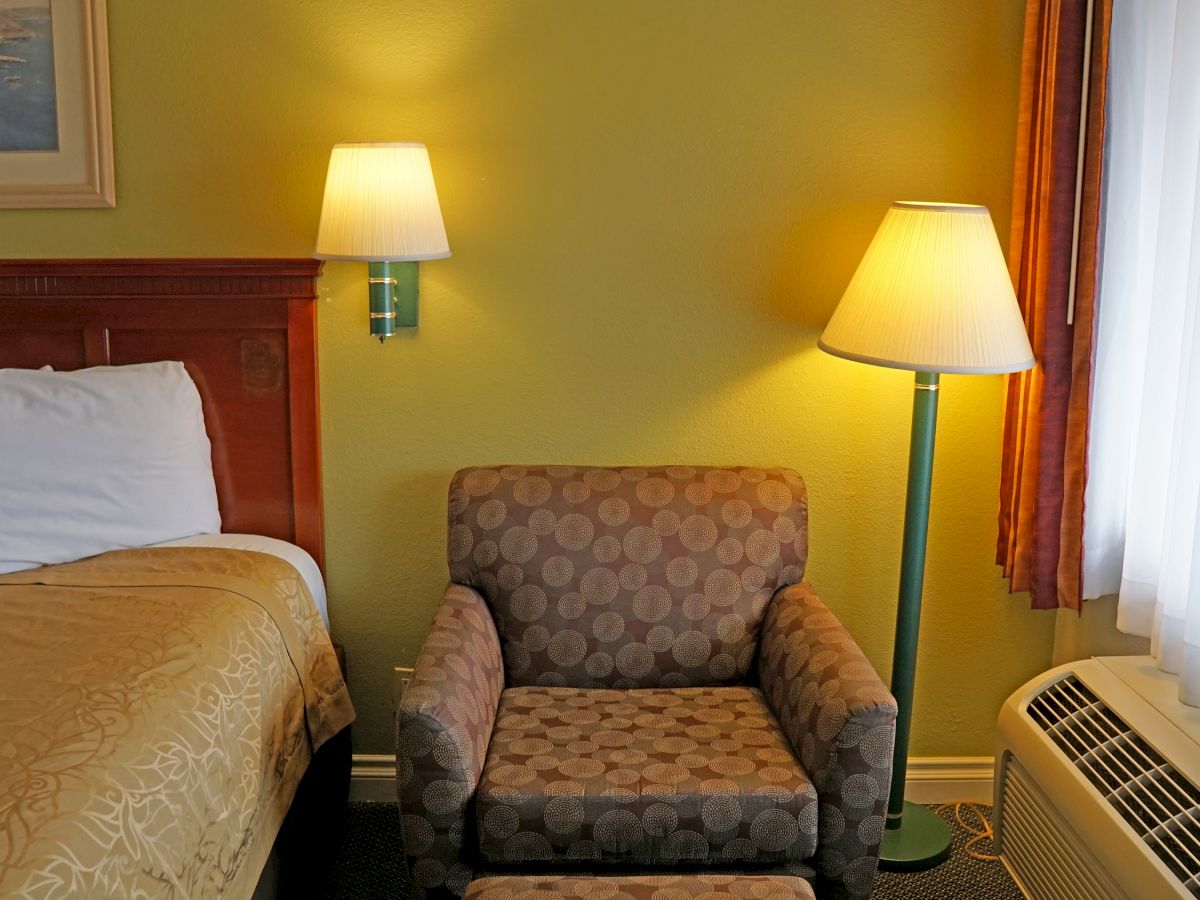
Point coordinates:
[[370, 866], [961, 876]]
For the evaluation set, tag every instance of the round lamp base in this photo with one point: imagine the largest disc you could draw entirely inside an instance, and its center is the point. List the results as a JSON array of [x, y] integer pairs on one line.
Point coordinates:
[[921, 842]]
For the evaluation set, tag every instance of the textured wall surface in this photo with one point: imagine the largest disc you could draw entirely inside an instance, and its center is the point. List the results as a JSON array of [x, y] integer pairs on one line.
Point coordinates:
[[653, 209], [1093, 634]]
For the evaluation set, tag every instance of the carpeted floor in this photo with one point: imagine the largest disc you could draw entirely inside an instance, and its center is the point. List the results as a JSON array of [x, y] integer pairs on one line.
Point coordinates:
[[370, 866], [961, 876]]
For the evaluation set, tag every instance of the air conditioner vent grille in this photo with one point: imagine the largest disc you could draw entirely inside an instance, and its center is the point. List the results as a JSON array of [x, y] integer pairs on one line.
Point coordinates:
[[1158, 803]]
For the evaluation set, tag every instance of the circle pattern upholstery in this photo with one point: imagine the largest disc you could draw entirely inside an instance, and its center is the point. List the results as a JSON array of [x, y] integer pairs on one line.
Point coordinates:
[[646, 887], [653, 776], [827, 700], [627, 577]]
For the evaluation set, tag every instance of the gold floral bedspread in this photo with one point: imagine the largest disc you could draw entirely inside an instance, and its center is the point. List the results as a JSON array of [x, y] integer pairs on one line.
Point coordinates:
[[157, 710]]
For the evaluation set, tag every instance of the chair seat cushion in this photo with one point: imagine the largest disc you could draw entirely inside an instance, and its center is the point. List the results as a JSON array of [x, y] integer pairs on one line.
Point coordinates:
[[654, 776], [645, 887]]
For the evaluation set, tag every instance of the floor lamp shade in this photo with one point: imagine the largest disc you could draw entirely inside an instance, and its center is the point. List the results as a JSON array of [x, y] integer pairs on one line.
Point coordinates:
[[932, 294]]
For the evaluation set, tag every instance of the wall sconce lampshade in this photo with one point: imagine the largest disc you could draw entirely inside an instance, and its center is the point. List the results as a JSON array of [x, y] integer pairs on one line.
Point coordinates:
[[932, 294], [381, 207]]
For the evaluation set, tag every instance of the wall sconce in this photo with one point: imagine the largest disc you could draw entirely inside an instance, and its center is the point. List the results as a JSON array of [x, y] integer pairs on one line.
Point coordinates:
[[381, 207]]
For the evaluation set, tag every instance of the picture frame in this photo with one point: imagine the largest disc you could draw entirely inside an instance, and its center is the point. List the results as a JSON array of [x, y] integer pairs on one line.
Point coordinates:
[[56, 146]]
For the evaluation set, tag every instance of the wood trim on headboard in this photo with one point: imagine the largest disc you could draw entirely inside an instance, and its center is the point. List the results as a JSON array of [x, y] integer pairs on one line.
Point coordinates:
[[245, 329]]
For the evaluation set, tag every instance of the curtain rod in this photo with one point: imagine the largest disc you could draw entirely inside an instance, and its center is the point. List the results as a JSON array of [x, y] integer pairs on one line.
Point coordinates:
[[1079, 159]]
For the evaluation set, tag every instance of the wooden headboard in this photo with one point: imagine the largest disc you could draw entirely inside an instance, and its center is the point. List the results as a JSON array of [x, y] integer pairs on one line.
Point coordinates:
[[245, 329]]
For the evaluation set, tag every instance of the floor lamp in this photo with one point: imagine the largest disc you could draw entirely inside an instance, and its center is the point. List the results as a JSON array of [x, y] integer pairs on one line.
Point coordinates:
[[931, 295]]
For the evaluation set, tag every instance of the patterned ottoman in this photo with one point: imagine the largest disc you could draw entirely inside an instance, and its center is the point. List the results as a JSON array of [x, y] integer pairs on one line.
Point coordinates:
[[646, 887]]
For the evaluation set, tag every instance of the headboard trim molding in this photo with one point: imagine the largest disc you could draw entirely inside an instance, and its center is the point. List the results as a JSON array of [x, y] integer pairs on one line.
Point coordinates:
[[154, 278]]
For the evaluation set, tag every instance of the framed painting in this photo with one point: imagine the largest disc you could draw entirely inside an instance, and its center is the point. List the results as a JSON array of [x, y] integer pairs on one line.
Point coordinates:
[[55, 115]]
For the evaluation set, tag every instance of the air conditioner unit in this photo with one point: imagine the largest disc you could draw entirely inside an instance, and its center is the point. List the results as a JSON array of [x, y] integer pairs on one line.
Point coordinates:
[[1097, 767]]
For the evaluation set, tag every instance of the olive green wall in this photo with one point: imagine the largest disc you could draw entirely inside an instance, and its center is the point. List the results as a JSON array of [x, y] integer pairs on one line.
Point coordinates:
[[654, 206], [1093, 634]]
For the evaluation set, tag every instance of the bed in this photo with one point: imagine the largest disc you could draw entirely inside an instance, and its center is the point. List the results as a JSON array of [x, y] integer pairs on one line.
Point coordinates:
[[169, 714]]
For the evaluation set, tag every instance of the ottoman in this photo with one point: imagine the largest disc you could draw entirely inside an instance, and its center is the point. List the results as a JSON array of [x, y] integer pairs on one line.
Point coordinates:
[[640, 887]]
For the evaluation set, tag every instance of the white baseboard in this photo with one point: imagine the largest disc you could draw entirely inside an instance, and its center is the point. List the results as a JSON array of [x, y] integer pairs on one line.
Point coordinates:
[[931, 779], [945, 779], [373, 777]]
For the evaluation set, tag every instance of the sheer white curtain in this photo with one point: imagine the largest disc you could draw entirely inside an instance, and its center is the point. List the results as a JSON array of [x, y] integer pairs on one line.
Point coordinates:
[[1142, 506]]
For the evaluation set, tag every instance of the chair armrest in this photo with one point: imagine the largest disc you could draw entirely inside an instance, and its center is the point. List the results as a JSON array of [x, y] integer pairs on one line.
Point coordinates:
[[443, 724], [841, 721]]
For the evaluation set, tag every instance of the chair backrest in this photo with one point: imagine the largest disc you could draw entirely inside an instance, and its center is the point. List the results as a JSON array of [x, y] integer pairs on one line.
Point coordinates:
[[627, 577]]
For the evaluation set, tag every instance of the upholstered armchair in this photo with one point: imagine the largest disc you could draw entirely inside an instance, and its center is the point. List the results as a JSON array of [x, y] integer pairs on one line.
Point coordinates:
[[627, 671]]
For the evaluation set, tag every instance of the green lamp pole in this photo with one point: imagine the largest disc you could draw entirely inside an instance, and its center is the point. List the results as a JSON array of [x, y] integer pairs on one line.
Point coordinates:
[[914, 838]]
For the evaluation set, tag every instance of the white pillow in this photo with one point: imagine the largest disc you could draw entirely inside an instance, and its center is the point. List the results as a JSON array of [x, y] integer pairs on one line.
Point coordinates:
[[101, 459]]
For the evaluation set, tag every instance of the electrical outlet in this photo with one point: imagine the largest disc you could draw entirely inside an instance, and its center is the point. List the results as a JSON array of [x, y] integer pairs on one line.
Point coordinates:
[[401, 679]]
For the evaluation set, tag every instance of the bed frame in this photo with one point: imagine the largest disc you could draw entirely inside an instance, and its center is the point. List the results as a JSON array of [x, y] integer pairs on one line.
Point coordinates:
[[246, 331]]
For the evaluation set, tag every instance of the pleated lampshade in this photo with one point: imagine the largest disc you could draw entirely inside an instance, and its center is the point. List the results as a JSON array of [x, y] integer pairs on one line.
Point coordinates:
[[381, 205], [932, 294]]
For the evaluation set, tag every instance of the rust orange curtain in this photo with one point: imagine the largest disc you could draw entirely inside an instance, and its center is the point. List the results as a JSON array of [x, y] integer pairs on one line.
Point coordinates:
[[1054, 266]]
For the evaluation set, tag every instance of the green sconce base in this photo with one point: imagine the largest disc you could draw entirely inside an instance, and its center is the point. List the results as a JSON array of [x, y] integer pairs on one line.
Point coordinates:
[[394, 289]]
